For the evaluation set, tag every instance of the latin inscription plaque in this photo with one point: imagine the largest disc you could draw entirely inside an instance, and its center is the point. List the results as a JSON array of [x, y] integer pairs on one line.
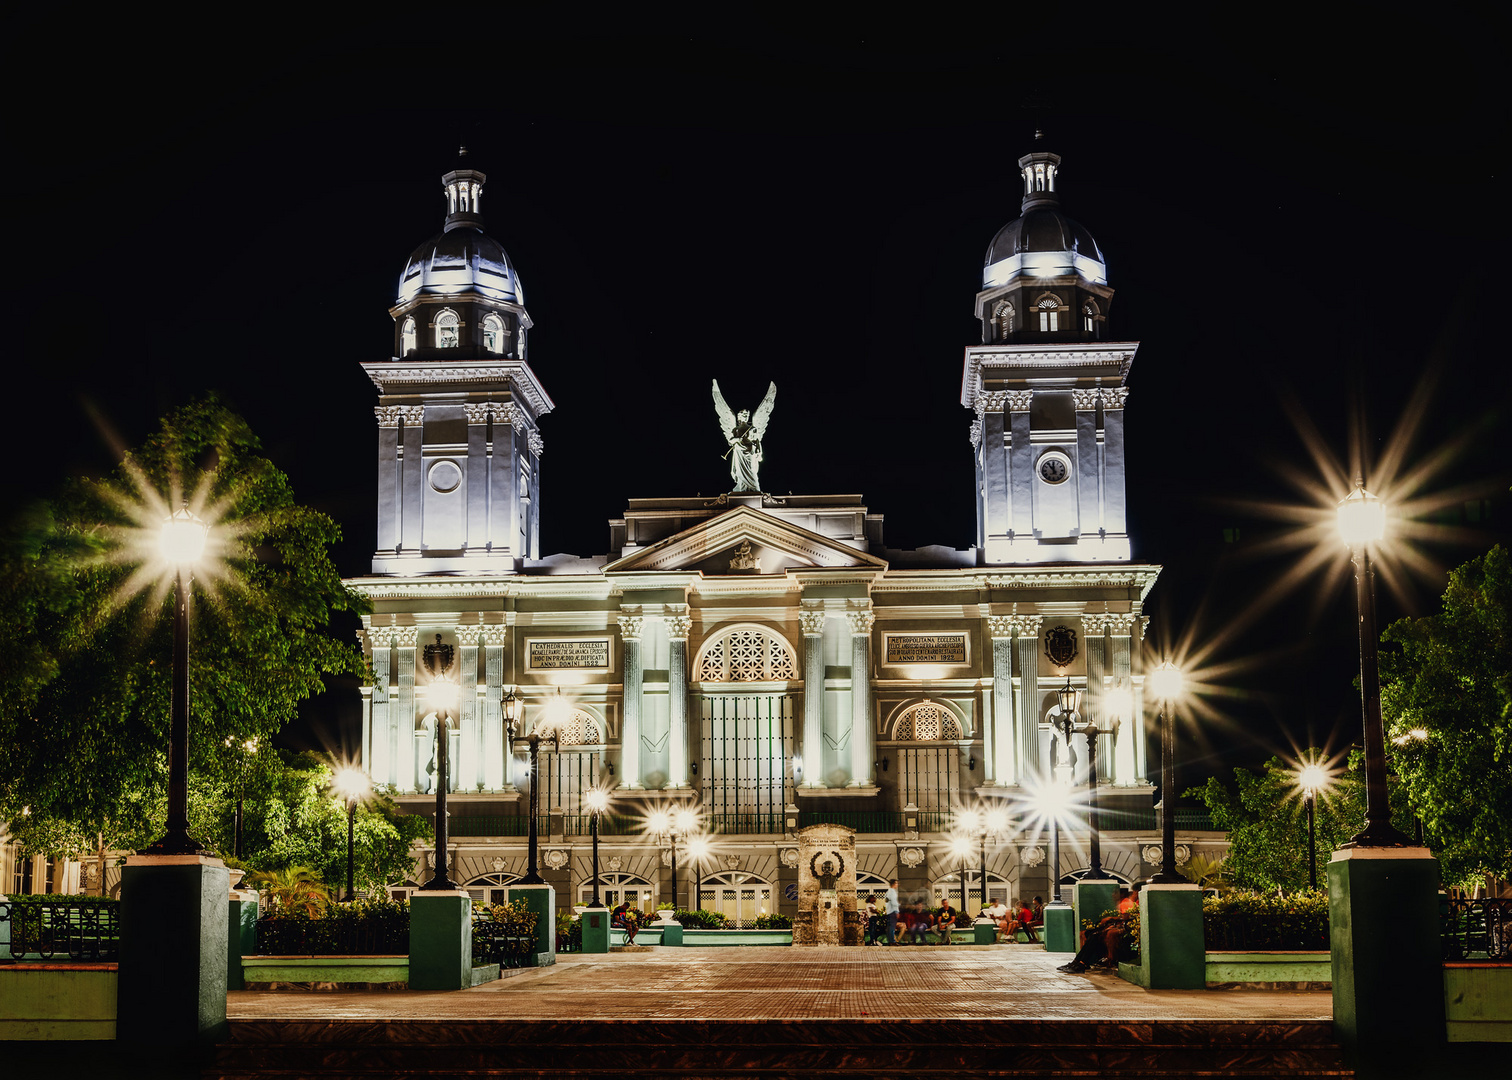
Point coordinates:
[[562, 654], [924, 649]]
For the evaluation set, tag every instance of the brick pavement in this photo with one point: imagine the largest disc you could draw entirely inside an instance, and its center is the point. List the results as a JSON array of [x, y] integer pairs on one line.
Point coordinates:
[[757, 983]]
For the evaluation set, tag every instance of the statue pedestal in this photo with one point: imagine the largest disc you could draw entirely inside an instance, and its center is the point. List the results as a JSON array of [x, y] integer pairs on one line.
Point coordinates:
[[827, 911]]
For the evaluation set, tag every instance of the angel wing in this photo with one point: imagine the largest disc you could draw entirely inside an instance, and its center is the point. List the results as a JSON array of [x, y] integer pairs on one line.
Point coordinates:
[[726, 415], [763, 412]]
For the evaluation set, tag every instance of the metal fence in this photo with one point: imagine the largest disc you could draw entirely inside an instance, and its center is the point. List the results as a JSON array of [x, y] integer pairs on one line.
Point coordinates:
[[502, 942], [1476, 929], [80, 928], [368, 934]]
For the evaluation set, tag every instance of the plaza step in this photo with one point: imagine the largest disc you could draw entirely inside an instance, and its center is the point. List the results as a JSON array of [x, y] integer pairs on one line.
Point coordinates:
[[768, 1048]]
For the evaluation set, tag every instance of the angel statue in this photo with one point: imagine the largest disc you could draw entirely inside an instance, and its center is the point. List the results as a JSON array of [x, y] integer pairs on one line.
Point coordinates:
[[743, 432]]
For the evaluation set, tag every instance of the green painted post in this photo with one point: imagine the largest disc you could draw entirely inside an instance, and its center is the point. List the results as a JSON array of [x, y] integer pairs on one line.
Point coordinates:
[[1172, 948], [540, 899], [440, 956], [1092, 899], [1386, 956], [1060, 928], [174, 930], [241, 935], [672, 934], [984, 932], [595, 924]]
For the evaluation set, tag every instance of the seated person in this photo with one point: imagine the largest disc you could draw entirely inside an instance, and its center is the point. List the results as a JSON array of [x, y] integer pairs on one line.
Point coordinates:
[[998, 913], [943, 922], [876, 921], [624, 919], [1099, 944], [1025, 920]]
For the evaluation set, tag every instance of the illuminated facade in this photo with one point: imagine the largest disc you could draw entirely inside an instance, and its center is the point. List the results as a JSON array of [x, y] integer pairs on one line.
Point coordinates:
[[764, 658]]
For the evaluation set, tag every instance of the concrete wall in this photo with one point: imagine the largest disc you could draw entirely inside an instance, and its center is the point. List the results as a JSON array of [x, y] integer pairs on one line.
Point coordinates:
[[43, 1001], [1478, 1002]]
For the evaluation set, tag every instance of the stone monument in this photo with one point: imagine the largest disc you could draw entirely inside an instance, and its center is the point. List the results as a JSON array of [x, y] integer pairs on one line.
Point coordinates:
[[744, 431], [827, 912]]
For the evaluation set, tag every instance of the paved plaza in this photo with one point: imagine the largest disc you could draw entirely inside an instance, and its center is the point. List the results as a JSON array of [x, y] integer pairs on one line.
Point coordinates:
[[771, 983]]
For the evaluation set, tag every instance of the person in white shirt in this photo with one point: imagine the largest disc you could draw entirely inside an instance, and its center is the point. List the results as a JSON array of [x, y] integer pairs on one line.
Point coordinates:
[[998, 913], [892, 912]]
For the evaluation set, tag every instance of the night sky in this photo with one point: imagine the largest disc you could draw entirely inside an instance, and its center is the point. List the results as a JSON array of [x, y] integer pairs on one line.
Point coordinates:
[[1315, 224]]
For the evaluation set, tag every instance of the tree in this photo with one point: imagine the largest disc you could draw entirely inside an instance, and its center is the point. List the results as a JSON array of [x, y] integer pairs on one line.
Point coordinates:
[[1446, 701], [293, 888], [85, 631]]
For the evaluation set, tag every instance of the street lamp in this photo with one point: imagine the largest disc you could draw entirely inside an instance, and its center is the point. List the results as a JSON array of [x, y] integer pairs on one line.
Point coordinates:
[[1312, 779], [248, 746], [1362, 522], [442, 695], [1165, 683], [597, 801], [352, 785], [672, 824], [698, 850], [181, 543], [1052, 801], [981, 824], [1070, 705], [548, 728]]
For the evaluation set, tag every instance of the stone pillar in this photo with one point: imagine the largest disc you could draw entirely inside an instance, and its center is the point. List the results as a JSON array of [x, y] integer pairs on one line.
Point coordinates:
[[1094, 628], [1388, 1000], [411, 479], [540, 899], [503, 521], [1021, 467], [390, 497], [440, 956], [678, 628], [630, 728], [1115, 513], [1125, 770], [175, 941], [1002, 752], [595, 923], [381, 764], [1027, 627], [468, 767], [994, 499], [497, 751], [403, 714], [1172, 952], [477, 473], [812, 745], [1088, 471], [863, 744]]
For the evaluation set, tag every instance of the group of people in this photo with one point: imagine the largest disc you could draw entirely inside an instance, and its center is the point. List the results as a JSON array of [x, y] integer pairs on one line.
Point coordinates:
[[890, 923]]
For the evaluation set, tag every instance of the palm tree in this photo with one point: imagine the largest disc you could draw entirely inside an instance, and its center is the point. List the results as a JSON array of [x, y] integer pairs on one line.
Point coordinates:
[[293, 888]]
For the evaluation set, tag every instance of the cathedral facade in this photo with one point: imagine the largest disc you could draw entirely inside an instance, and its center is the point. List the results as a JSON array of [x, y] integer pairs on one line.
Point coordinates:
[[766, 662]]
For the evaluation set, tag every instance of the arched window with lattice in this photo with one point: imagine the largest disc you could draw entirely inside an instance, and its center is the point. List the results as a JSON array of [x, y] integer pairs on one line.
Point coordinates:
[[1049, 314], [747, 654], [579, 729], [927, 722], [1002, 316]]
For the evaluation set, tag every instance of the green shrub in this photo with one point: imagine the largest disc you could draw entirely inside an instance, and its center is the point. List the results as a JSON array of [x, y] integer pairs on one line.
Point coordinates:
[[1247, 920], [569, 932], [701, 920], [775, 921], [376, 926]]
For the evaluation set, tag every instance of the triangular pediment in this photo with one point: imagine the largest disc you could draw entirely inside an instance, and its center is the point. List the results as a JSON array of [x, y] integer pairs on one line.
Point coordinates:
[[774, 546]]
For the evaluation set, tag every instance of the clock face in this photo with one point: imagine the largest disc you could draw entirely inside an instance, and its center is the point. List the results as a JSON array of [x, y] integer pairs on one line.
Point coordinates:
[[1054, 470]]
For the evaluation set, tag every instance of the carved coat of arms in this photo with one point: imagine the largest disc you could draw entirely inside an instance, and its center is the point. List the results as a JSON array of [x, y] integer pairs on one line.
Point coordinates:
[[1060, 645]]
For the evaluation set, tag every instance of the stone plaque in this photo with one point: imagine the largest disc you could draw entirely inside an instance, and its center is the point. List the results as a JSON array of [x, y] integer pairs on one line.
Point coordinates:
[[924, 648], [560, 654]]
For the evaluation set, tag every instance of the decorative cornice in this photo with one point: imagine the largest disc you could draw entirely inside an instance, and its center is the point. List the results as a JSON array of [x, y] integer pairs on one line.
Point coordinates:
[[679, 627], [630, 627], [1034, 360], [1095, 623], [1120, 623], [516, 375], [536, 444], [861, 622], [1114, 396], [812, 621], [992, 400], [975, 434], [1019, 400], [1000, 626], [390, 415], [1084, 400]]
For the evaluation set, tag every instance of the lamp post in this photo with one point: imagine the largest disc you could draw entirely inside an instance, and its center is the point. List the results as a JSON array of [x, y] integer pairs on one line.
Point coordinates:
[[536, 737], [246, 747], [672, 824], [181, 544], [1165, 684], [1313, 779], [981, 824], [442, 694], [1052, 803], [597, 801], [698, 849], [1070, 706], [1362, 522], [352, 785]]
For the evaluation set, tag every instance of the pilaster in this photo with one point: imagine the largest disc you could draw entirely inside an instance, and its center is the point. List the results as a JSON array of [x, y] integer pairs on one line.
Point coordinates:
[[1094, 629], [633, 678], [1000, 749], [994, 498], [1088, 468], [496, 753], [478, 462], [405, 640], [812, 621], [469, 767], [411, 480], [1115, 510], [678, 628], [1131, 734], [389, 495], [1021, 466], [380, 764], [863, 727], [1027, 628]]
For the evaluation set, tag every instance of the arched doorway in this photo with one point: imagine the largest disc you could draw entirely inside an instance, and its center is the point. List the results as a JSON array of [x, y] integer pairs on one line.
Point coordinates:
[[738, 896], [869, 885], [491, 888], [614, 889], [950, 885]]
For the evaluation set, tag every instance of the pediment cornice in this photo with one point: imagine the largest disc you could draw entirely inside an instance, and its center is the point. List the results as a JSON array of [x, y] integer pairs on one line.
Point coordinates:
[[707, 538]]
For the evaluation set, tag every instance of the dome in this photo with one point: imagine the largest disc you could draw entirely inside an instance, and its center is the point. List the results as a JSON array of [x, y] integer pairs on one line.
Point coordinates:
[[1043, 243], [461, 260]]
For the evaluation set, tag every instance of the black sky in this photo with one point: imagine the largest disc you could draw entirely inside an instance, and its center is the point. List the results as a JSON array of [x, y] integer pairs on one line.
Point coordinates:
[[1285, 217]]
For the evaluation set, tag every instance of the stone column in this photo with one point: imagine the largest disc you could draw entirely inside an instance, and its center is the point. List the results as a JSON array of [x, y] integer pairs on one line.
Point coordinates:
[[1027, 627], [863, 727], [469, 766], [630, 728], [405, 640], [1021, 466], [995, 501], [411, 481], [1131, 734], [678, 628], [390, 498], [1001, 752], [381, 764], [1115, 516], [812, 621], [497, 752], [1088, 471]]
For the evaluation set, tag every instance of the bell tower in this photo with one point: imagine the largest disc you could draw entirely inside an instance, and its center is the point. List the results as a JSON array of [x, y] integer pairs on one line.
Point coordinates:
[[459, 448], [1047, 388]]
